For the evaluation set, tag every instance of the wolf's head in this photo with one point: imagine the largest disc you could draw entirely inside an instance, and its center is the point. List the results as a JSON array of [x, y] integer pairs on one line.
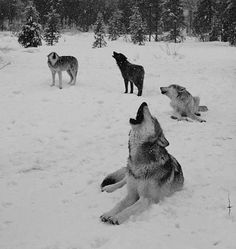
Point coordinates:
[[53, 58], [146, 128], [172, 91], [119, 57]]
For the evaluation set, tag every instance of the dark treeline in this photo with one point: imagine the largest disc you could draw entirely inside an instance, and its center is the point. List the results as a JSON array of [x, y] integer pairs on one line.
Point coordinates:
[[82, 13], [207, 19]]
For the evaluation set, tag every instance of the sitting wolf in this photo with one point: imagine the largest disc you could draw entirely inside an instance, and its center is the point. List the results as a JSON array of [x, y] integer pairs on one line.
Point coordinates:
[[151, 172], [184, 104]]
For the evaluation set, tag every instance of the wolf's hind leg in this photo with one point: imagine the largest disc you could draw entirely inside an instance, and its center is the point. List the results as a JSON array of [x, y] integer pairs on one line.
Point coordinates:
[[113, 187], [71, 76], [194, 117], [60, 79], [114, 177]]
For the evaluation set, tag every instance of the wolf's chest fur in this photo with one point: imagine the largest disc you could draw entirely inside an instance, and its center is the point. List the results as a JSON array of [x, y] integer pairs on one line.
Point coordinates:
[[145, 158], [151, 163]]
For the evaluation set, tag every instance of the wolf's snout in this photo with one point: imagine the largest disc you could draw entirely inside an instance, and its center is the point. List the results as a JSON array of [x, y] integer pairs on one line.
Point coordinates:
[[163, 90], [139, 117]]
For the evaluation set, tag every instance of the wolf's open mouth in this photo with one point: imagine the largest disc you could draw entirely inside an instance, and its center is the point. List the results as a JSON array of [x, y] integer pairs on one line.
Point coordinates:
[[139, 116], [163, 91]]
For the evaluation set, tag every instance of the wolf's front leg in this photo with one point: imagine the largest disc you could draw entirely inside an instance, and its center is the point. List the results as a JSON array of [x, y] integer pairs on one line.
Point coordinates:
[[141, 205], [178, 117], [53, 78], [129, 200], [126, 85]]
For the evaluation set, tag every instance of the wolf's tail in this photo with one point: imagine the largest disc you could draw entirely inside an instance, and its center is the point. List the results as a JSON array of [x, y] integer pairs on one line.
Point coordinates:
[[202, 108], [114, 177]]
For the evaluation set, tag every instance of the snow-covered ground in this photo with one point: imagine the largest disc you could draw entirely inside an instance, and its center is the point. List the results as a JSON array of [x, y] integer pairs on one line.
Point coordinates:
[[56, 146]]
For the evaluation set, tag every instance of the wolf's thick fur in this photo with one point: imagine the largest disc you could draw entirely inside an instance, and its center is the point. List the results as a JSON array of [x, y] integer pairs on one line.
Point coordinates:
[[183, 103], [57, 64], [151, 172], [131, 73]]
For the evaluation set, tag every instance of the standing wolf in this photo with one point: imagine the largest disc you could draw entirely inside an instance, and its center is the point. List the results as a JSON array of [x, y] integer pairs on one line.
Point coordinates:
[[131, 73], [183, 103], [57, 64], [151, 172]]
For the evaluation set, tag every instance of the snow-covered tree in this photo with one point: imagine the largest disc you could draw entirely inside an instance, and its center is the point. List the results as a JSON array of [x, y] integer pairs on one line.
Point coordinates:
[[52, 30], [115, 27], [173, 18], [99, 32], [30, 34], [137, 27]]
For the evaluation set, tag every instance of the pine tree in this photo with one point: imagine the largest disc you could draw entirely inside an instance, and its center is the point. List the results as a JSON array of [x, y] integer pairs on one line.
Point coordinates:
[[231, 18], [115, 28], [52, 30], [204, 17], [137, 27], [30, 35], [173, 18], [99, 32]]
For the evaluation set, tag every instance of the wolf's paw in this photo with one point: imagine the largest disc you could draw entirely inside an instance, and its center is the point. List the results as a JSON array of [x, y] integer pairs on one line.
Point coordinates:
[[108, 189], [109, 219]]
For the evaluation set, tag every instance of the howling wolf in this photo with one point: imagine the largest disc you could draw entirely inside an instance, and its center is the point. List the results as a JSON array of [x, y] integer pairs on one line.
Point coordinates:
[[131, 73], [183, 103], [151, 172]]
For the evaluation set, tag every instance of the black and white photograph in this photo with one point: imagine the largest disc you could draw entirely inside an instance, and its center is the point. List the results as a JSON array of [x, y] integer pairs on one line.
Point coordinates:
[[118, 124]]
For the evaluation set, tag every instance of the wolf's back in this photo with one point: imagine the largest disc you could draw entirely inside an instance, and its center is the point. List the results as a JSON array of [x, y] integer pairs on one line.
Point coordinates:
[[178, 180], [114, 177]]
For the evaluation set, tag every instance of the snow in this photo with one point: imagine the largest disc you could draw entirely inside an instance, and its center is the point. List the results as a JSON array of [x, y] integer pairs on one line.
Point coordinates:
[[56, 146]]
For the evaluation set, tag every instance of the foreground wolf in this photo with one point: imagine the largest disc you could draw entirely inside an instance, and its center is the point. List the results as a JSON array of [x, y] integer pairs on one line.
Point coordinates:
[[131, 73], [151, 172], [57, 64], [183, 103]]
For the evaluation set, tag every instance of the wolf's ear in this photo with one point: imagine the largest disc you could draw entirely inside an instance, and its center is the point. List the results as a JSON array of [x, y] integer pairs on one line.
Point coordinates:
[[162, 141]]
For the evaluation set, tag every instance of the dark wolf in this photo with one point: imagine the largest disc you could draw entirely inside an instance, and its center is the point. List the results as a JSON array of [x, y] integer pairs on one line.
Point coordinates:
[[131, 73], [151, 172], [184, 104], [57, 64]]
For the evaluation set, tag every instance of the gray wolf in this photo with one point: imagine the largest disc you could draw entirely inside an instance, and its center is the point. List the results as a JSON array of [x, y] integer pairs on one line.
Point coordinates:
[[184, 104], [131, 73], [151, 172], [57, 64]]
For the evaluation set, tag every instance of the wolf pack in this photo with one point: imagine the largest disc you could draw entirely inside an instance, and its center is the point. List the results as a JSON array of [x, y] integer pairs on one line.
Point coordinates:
[[151, 172]]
